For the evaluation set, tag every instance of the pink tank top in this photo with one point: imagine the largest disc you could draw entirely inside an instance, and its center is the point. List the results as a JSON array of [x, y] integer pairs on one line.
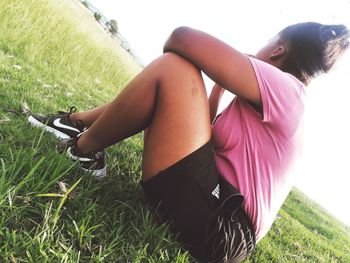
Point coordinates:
[[255, 151]]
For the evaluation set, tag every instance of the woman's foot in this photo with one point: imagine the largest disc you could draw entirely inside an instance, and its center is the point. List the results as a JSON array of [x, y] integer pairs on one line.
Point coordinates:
[[58, 124], [93, 163]]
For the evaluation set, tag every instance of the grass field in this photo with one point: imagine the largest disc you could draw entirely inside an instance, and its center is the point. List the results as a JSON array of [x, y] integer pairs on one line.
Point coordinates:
[[53, 55]]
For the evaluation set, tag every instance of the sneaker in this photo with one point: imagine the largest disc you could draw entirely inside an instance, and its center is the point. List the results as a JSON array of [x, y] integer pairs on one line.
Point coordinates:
[[93, 163], [58, 124]]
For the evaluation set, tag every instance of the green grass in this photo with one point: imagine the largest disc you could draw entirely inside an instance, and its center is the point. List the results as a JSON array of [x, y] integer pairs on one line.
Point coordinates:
[[50, 211], [304, 233]]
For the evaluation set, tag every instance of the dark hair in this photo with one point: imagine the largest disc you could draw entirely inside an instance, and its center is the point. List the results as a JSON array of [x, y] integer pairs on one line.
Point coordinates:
[[313, 48]]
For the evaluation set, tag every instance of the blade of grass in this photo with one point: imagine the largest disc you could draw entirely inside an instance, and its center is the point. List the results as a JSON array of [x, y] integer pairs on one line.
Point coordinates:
[[29, 175], [50, 195], [63, 199]]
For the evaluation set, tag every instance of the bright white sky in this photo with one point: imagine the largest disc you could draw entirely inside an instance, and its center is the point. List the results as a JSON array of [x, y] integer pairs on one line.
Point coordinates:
[[247, 25]]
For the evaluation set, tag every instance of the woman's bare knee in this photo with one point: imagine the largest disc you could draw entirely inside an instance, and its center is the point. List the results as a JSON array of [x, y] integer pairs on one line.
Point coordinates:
[[178, 63]]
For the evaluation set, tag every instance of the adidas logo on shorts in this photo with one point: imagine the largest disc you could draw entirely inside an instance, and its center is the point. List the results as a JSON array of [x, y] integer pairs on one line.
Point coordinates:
[[216, 191]]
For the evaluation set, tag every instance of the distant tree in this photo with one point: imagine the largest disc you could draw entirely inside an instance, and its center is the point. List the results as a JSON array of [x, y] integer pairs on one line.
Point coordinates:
[[85, 3], [113, 27], [97, 16]]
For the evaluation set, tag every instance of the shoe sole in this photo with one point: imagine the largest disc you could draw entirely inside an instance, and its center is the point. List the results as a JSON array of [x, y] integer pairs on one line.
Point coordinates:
[[57, 133], [97, 174]]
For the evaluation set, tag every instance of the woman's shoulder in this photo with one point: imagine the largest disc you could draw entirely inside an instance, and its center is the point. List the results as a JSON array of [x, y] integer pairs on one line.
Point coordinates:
[[271, 75]]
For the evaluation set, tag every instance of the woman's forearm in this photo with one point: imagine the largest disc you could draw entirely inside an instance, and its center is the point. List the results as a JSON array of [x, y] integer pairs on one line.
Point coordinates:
[[214, 100]]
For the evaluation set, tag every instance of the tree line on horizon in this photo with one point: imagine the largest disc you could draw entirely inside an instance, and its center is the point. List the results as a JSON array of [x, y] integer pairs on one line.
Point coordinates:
[[111, 25]]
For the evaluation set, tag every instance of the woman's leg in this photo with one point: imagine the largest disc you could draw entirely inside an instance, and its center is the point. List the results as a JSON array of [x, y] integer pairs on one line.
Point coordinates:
[[90, 116], [169, 98]]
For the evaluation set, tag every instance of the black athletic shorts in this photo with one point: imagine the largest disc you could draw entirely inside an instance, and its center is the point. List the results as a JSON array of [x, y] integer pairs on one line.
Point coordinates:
[[203, 209]]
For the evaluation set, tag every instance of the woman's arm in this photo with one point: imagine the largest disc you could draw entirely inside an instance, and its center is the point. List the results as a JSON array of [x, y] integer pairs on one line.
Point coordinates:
[[224, 65], [214, 100]]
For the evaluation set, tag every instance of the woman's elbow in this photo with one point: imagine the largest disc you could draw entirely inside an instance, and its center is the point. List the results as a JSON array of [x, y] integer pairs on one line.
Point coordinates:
[[176, 38]]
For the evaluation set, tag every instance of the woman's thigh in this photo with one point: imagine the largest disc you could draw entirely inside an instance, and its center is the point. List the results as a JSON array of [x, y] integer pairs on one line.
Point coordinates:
[[181, 120]]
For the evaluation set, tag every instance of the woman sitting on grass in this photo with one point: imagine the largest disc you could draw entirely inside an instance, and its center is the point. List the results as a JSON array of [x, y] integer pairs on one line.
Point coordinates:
[[219, 185]]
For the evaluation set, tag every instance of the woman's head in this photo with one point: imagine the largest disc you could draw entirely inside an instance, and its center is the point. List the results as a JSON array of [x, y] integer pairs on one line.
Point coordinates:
[[312, 48]]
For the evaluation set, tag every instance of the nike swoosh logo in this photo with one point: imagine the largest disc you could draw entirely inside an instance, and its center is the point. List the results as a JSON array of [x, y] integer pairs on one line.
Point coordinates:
[[58, 123]]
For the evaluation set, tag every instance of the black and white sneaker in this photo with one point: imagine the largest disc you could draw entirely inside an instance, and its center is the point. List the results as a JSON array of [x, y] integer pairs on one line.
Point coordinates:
[[93, 163], [58, 124]]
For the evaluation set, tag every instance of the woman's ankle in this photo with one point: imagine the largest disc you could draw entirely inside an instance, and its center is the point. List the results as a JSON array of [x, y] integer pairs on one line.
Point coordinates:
[[84, 144], [79, 117], [80, 145], [73, 117]]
